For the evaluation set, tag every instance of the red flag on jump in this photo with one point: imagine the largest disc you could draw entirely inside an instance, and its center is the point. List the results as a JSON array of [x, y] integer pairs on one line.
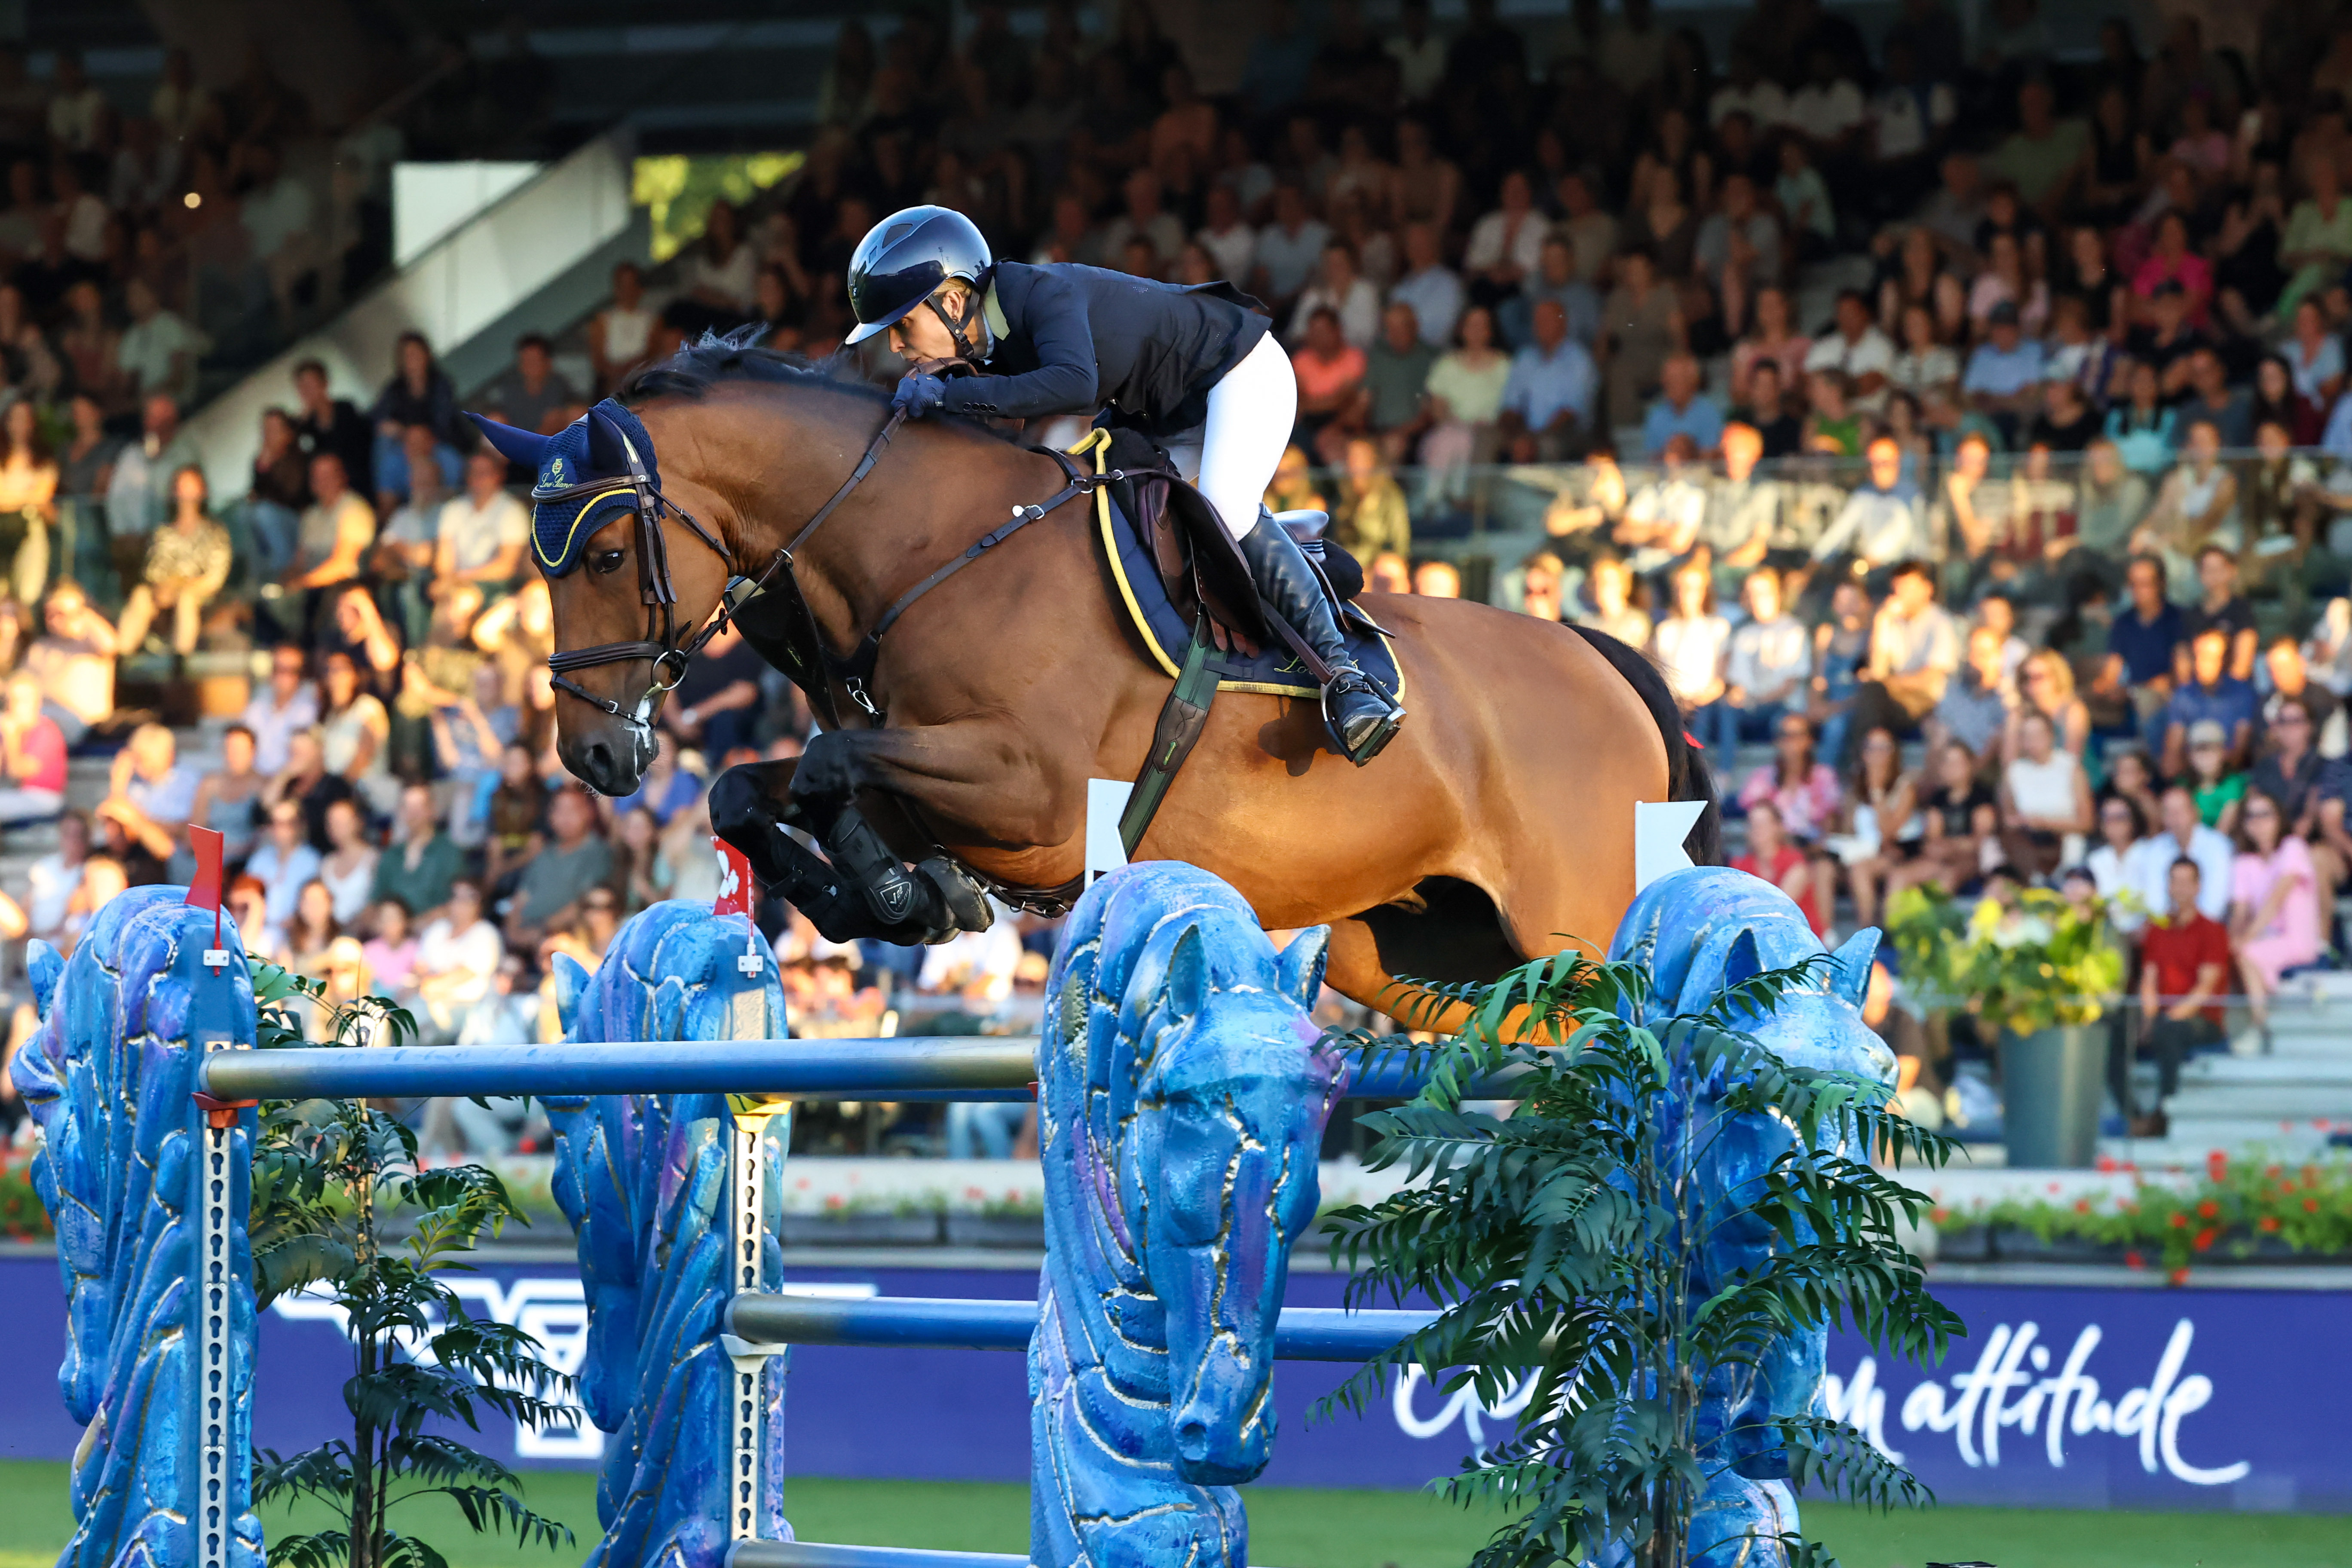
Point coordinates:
[[205, 886], [735, 887]]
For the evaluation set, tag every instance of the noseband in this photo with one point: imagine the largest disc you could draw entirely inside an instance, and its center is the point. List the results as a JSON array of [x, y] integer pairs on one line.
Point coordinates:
[[670, 653]]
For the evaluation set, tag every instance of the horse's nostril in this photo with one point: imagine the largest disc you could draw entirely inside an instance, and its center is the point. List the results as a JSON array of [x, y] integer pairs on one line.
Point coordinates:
[[1192, 1440]]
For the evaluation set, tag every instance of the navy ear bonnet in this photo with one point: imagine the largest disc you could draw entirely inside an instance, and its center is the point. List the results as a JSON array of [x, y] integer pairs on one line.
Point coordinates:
[[593, 450]]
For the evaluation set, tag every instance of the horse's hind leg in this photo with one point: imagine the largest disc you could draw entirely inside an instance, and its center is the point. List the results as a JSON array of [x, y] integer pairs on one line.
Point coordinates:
[[750, 805]]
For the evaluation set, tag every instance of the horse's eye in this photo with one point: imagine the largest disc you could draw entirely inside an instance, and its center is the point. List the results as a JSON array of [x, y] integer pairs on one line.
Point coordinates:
[[607, 560]]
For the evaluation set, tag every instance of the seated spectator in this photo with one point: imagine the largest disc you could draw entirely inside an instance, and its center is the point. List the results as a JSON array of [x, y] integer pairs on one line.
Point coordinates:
[[1779, 432], [2291, 683], [419, 393], [1881, 524], [531, 392], [355, 733], [1915, 647], [1663, 516], [573, 859], [1802, 787], [456, 954], [1738, 247], [1774, 859], [1555, 279], [2221, 605], [330, 424], [481, 533], [52, 880], [2212, 397], [2196, 505], [1877, 825], [284, 861], [1396, 382], [1549, 396], [390, 952], [2140, 643], [159, 350], [1959, 816], [2274, 898], [1289, 248], [2004, 376], [1682, 409], [1976, 704], [1231, 242], [1802, 193], [287, 705], [2180, 834], [2045, 799], [2113, 861], [2219, 788], [187, 563], [1855, 350], [138, 491], [1506, 247], [1340, 287], [1771, 339], [687, 868], [2299, 778], [1925, 367], [665, 790], [2045, 685], [1370, 515], [1464, 401], [2064, 421], [1641, 325], [2184, 961], [101, 879], [74, 662], [2210, 692], [2143, 429], [1330, 371], [32, 755], [468, 737], [308, 782], [590, 934], [1610, 583], [717, 701], [1766, 664], [620, 333], [1428, 285], [148, 804], [228, 799], [422, 864], [1438, 580], [1689, 645], [330, 545]]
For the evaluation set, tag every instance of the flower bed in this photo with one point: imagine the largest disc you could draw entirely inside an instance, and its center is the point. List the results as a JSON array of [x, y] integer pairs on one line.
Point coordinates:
[[22, 1218], [2244, 1210]]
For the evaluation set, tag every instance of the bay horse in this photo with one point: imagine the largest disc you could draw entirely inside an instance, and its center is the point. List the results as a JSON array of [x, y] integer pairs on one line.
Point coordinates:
[[1497, 827]]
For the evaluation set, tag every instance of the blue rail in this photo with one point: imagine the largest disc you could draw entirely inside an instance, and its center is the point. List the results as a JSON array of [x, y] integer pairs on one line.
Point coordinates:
[[822, 1554], [923, 1322], [913, 1068]]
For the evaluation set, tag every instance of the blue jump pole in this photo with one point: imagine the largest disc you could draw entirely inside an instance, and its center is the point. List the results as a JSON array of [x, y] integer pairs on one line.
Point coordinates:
[[909, 1322], [912, 1068]]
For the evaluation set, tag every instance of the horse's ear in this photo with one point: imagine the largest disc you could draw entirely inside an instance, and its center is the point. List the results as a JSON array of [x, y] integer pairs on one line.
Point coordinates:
[[571, 984], [1188, 975], [1743, 963], [527, 447], [1850, 966], [1299, 966], [608, 448]]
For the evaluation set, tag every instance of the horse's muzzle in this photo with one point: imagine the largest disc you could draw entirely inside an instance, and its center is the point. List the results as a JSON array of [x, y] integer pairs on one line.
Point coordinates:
[[1223, 1422], [611, 763]]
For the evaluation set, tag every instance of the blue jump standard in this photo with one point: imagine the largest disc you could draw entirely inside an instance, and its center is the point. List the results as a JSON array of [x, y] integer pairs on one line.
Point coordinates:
[[912, 1068], [909, 1322]]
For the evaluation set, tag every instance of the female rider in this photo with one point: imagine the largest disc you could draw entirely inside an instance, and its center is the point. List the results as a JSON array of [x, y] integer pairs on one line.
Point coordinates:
[[1194, 368]]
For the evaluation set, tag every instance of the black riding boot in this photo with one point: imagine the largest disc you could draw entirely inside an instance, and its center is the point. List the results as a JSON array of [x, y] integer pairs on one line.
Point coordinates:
[[1360, 716]]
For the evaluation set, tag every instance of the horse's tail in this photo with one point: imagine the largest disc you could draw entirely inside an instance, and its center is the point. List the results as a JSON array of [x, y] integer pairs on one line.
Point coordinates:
[[1687, 775]]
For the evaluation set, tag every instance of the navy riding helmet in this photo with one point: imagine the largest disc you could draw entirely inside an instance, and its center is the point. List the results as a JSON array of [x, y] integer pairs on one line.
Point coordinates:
[[905, 257]]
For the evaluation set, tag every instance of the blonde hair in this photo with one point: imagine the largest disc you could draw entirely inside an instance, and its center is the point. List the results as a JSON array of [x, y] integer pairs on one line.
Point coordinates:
[[2062, 674]]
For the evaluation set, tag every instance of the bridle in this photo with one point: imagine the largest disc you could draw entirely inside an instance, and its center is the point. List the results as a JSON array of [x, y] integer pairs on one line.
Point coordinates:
[[671, 654]]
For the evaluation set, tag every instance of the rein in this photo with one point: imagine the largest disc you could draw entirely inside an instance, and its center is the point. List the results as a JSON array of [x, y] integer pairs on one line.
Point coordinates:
[[670, 655]]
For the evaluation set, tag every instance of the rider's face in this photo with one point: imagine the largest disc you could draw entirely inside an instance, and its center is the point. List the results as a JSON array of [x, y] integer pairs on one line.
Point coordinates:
[[919, 334]]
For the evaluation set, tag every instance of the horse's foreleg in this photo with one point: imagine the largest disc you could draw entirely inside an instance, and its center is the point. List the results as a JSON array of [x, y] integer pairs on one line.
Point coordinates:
[[750, 806], [927, 903]]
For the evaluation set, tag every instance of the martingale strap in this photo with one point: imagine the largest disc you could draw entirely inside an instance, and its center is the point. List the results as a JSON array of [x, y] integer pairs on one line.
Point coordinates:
[[1183, 718]]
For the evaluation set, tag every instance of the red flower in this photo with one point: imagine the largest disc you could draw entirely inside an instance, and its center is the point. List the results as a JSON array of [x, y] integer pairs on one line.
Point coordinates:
[[2179, 1276], [2267, 1223], [2107, 1163], [1939, 1214], [2271, 1171], [2133, 1260], [2216, 1164], [2209, 1209], [2179, 1221], [2311, 1206], [834, 1200], [2204, 1238], [2081, 1205]]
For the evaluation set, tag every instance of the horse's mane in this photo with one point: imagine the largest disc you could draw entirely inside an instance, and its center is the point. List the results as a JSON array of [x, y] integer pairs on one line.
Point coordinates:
[[718, 357]]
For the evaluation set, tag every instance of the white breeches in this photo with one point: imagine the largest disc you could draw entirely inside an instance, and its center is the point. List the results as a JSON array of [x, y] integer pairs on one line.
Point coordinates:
[[1230, 457]]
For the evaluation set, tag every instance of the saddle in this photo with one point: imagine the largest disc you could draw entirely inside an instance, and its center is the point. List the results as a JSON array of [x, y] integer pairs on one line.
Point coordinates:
[[1199, 565]]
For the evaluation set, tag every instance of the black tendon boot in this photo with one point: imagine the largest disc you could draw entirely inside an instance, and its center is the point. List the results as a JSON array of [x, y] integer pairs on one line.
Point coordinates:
[[1360, 716]]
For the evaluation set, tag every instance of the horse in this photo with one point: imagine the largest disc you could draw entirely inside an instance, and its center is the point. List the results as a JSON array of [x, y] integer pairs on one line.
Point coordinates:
[[1698, 932], [150, 1216], [1497, 827], [1180, 1099], [644, 1179]]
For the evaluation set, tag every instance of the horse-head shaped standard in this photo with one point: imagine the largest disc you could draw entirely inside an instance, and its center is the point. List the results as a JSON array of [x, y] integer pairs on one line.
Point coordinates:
[[1180, 1103]]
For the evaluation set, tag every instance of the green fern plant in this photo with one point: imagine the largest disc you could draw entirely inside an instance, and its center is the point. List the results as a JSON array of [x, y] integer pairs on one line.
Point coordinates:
[[1569, 1242], [327, 1176]]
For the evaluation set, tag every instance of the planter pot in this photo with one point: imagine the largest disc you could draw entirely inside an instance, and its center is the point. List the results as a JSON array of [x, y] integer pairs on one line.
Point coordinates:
[[859, 1229], [996, 1230], [2012, 1245], [1963, 1244], [2052, 1087]]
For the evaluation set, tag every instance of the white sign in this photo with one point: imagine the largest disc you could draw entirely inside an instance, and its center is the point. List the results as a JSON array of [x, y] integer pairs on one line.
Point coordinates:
[[1105, 803], [1659, 828]]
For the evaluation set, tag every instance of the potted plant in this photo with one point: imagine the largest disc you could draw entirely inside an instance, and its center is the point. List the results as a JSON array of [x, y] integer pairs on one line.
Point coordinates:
[[2035, 969]]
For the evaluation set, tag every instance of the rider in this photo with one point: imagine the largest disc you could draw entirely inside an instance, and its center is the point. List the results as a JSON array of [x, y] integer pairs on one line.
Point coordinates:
[[1195, 368]]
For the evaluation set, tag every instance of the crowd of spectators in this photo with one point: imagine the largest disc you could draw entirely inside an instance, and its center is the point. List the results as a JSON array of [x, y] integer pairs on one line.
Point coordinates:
[[1965, 424]]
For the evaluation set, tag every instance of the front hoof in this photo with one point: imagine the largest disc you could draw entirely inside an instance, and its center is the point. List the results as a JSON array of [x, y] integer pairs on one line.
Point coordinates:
[[967, 902]]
